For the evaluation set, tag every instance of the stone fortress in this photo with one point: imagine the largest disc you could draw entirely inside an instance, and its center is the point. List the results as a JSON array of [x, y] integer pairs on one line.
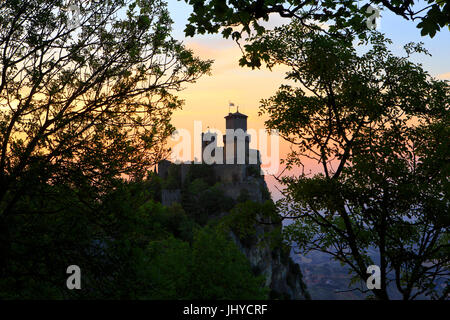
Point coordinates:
[[235, 165], [238, 170]]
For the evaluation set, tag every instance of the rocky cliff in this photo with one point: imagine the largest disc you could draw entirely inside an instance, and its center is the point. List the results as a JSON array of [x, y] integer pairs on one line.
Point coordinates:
[[250, 217], [266, 254], [283, 276]]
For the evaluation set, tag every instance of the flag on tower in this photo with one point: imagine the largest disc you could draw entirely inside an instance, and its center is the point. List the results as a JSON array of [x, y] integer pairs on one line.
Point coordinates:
[[230, 104]]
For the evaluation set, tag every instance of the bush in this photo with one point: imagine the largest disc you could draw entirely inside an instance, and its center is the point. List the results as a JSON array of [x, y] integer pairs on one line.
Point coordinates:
[[221, 271]]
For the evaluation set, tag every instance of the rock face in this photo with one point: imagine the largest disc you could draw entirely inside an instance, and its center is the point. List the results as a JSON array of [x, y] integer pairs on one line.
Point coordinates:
[[283, 275], [168, 197]]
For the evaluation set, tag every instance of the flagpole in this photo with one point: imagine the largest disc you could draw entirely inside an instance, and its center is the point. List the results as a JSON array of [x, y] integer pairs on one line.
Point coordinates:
[[230, 104]]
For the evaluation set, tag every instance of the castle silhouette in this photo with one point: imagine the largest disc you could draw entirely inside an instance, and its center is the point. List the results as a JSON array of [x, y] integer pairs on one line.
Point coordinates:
[[235, 165]]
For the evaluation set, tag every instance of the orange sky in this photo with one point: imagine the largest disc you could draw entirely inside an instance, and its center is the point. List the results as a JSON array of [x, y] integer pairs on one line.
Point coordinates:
[[207, 100]]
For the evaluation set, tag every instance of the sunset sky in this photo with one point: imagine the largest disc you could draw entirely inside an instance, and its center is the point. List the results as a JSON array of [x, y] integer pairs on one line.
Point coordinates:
[[207, 100]]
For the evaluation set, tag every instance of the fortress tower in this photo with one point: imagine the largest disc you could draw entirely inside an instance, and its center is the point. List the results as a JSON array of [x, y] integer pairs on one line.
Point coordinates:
[[236, 141]]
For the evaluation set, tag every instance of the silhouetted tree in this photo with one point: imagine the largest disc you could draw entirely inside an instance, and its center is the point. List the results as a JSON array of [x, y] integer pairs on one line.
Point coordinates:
[[82, 105], [377, 125], [340, 16]]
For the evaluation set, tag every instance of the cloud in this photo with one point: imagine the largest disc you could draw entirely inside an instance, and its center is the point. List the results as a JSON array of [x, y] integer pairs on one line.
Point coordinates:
[[444, 76]]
